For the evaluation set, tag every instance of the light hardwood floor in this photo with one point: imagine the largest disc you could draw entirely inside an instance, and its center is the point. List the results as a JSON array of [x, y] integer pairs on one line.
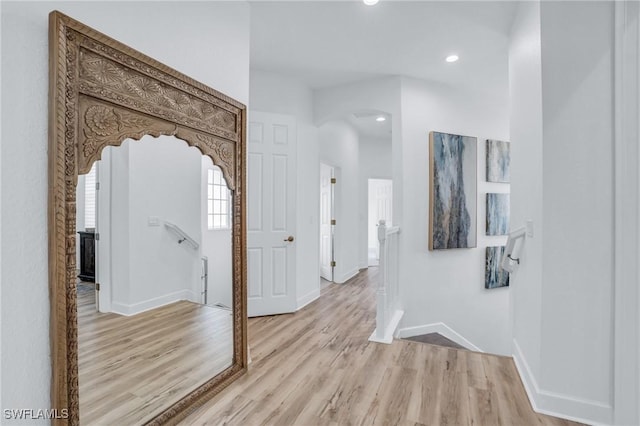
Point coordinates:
[[316, 367], [131, 368]]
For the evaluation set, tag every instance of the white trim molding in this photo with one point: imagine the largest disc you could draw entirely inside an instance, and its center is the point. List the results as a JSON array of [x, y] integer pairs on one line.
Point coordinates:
[[308, 298], [557, 404], [147, 305], [626, 342], [441, 329], [390, 331], [343, 278]]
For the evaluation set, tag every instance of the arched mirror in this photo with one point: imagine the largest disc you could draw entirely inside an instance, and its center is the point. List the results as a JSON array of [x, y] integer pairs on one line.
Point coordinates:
[[147, 249]]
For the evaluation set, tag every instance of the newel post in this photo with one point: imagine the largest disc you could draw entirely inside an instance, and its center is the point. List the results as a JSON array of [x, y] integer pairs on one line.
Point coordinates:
[[381, 312]]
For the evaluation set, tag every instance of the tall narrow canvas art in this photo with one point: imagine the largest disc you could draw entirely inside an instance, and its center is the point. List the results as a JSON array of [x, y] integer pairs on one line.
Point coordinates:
[[453, 189], [498, 161], [497, 214], [494, 276]]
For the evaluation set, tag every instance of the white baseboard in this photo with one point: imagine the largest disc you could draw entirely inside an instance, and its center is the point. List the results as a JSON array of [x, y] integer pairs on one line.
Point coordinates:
[[390, 331], [556, 404], [439, 328], [147, 305], [346, 276], [307, 298]]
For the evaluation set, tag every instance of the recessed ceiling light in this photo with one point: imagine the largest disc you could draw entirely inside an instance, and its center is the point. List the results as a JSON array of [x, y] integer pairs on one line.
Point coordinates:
[[452, 58], [380, 119], [370, 2]]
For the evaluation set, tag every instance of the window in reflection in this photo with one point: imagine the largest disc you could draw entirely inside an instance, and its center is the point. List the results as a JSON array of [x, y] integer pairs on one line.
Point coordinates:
[[90, 198], [218, 206]]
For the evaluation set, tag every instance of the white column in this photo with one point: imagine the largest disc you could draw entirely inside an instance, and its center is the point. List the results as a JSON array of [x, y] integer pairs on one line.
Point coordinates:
[[381, 313]]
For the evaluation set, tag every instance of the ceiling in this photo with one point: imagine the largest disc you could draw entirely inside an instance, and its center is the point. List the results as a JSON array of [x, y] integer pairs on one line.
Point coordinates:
[[367, 126], [328, 43]]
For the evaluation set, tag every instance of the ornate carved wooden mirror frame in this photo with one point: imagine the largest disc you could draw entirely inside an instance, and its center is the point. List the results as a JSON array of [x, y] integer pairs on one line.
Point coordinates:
[[100, 93]]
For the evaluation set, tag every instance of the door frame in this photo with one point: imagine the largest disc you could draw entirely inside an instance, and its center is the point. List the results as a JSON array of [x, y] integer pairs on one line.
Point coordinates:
[[332, 217], [96, 240], [103, 232]]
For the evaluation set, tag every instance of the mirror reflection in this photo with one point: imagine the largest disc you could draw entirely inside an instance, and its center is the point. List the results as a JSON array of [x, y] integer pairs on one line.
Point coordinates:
[[154, 256]]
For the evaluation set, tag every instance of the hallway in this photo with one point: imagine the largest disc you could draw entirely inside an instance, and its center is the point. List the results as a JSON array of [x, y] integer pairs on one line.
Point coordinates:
[[317, 367]]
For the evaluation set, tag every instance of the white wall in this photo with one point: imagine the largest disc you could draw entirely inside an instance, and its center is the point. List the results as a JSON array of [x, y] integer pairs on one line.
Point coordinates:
[[1, 237], [217, 245], [164, 182], [274, 93], [339, 147], [381, 95], [445, 286], [160, 178], [374, 163], [569, 263], [577, 85], [525, 87], [281, 95], [448, 285], [210, 42]]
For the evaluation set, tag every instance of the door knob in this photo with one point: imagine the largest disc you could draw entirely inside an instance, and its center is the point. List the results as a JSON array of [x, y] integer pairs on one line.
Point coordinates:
[[289, 238]]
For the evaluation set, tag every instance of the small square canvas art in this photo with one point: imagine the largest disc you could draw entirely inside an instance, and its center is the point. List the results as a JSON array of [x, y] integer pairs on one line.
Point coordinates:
[[494, 276], [497, 214], [452, 195], [498, 161]]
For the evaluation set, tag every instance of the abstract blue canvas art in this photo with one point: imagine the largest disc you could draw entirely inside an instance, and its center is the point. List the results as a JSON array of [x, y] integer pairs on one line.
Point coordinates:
[[452, 196], [498, 161], [494, 276], [497, 214]]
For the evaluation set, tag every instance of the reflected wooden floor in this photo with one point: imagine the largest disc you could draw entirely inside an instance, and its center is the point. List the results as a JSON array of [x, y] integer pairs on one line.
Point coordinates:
[[316, 367], [131, 368]]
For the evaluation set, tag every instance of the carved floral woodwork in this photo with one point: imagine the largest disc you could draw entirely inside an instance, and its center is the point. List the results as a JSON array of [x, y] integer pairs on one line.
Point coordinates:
[[102, 92]]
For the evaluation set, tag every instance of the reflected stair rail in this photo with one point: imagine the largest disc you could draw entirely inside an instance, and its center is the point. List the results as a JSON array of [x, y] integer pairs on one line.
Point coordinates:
[[183, 237]]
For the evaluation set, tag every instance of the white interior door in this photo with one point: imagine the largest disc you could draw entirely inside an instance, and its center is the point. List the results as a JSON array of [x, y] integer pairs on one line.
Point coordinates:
[[326, 214], [271, 188], [384, 201], [103, 232], [380, 202], [96, 244]]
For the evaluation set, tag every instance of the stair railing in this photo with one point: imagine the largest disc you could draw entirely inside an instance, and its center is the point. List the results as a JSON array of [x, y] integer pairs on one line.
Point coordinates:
[[388, 312], [183, 237]]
